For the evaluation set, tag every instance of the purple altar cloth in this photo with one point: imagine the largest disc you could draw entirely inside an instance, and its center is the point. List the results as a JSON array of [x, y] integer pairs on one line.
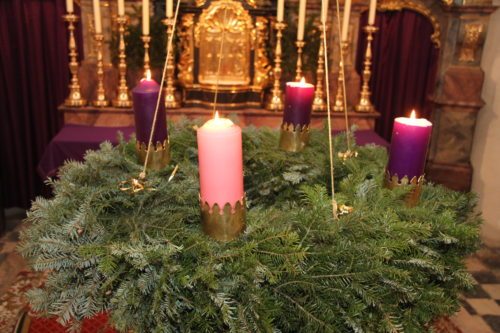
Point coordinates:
[[73, 141]]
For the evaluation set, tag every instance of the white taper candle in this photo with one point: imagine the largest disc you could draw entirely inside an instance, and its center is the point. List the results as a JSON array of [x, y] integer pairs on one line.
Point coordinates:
[[345, 20], [302, 20], [145, 17], [69, 6], [121, 7], [372, 12], [97, 17], [324, 11], [170, 8], [281, 10]]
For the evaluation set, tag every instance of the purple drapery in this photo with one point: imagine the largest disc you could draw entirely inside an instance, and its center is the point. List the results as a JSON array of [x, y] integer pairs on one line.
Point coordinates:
[[404, 65], [33, 81]]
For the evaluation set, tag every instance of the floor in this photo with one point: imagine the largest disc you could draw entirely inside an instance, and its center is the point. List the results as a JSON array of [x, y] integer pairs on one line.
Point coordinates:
[[480, 312]]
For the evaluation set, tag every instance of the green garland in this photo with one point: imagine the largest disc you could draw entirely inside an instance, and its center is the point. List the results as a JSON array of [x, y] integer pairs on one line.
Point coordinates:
[[382, 268]]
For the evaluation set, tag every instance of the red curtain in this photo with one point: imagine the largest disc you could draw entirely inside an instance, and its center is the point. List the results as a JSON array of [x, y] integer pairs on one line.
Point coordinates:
[[33, 81], [404, 65]]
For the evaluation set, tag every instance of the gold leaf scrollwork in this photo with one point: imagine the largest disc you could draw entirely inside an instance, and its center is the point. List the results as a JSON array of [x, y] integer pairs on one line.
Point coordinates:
[[397, 5], [186, 60], [262, 67]]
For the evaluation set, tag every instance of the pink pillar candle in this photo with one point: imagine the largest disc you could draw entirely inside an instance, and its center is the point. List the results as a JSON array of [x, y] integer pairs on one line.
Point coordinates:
[[220, 160], [410, 139]]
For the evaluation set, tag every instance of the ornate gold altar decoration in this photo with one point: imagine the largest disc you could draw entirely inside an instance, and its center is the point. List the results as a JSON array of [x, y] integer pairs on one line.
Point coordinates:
[[122, 97], [75, 95], [245, 70], [238, 29], [100, 99], [186, 61], [397, 5], [470, 42]]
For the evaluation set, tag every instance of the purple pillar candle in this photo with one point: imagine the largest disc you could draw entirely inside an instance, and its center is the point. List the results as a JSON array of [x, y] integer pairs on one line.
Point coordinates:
[[408, 152], [145, 97], [298, 103]]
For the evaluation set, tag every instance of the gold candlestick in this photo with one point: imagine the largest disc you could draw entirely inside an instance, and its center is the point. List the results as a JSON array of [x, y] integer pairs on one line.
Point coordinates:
[[75, 96], [122, 98], [100, 99], [146, 39], [319, 103], [171, 101], [365, 104], [300, 46], [339, 98], [275, 103]]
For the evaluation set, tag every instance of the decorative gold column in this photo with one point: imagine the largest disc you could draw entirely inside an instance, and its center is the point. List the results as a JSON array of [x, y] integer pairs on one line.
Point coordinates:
[[100, 99], [171, 101], [146, 39], [339, 98], [300, 46], [319, 103], [275, 103], [75, 95], [122, 97], [365, 104]]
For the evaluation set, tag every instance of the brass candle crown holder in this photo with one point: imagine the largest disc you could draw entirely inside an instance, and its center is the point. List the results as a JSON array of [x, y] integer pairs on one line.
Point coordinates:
[[416, 183], [294, 138], [223, 224], [159, 156]]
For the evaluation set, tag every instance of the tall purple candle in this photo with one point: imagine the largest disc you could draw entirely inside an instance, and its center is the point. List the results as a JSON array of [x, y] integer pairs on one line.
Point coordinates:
[[410, 139], [298, 103], [145, 96]]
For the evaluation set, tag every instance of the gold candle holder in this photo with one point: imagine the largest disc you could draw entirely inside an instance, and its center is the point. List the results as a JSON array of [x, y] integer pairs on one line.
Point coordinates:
[[415, 184], [275, 103], [365, 104], [339, 98], [171, 101], [293, 138], [75, 95], [100, 99], [319, 102], [122, 97], [158, 157], [146, 39], [223, 224], [300, 46]]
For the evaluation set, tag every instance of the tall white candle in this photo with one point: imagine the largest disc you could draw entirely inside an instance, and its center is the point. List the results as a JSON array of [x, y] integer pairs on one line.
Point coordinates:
[[170, 8], [302, 20], [69, 6], [371, 13], [97, 17], [345, 20], [121, 7], [324, 11], [145, 17], [281, 10]]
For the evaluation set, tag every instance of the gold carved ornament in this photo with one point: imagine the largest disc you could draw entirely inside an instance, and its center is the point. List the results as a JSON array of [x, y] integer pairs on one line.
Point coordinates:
[[471, 41], [235, 70], [262, 67], [200, 3], [398, 5], [186, 59]]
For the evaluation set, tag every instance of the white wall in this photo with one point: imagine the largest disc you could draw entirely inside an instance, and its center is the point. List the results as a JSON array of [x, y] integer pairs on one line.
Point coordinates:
[[486, 149]]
